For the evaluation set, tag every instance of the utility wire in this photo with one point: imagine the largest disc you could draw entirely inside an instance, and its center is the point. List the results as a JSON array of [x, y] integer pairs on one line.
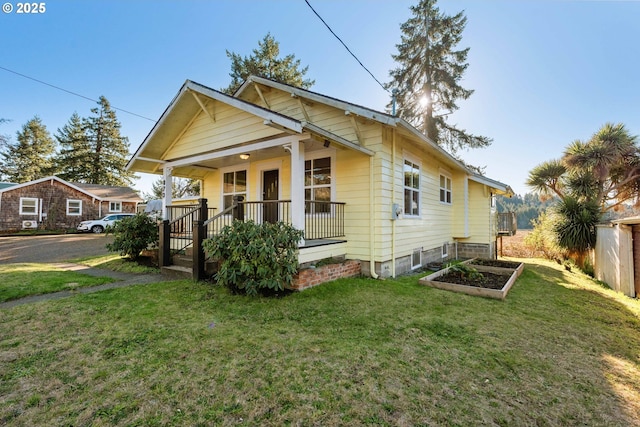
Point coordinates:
[[72, 93], [345, 46]]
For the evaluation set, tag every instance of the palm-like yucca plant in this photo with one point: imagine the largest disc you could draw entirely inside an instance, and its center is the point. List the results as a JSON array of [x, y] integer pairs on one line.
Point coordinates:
[[592, 177], [547, 178], [576, 226]]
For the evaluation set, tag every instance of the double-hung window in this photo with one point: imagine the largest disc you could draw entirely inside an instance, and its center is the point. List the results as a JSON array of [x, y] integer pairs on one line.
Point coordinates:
[[28, 206], [115, 206], [317, 185], [411, 172], [74, 207], [445, 189], [234, 183]]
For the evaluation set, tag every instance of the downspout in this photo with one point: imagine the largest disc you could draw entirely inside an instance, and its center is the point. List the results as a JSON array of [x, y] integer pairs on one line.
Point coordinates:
[[393, 199], [372, 250]]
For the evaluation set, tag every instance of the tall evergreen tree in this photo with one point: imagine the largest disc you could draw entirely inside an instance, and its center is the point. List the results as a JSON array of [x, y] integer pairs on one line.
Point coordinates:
[[428, 75], [74, 156], [265, 63], [31, 157], [109, 150], [4, 139]]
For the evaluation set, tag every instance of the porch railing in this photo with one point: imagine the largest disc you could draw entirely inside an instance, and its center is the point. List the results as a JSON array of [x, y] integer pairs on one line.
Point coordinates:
[[177, 234], [192, 224], [507, 223]]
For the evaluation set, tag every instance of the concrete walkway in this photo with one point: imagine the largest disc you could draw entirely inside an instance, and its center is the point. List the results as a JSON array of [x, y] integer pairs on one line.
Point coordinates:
[[122, 280]]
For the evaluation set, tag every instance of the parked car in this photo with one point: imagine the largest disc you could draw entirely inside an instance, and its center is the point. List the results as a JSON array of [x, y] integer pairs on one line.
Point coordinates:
[[99, 225]]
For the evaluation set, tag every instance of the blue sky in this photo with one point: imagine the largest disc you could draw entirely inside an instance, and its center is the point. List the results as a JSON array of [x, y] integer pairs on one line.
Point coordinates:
[[544, 72]]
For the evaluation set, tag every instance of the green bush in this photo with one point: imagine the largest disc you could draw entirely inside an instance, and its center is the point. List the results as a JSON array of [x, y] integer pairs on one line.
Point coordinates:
[[255, 257], [132, 235], [544, 239]]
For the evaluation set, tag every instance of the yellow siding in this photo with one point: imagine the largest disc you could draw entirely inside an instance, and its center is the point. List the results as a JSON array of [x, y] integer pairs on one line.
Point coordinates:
[[435, 224], [438, 222], [231, 127], [479, 213], [330, 118]]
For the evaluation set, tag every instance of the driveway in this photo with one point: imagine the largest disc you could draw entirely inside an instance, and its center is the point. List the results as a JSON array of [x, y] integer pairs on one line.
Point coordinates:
[[56, 248]]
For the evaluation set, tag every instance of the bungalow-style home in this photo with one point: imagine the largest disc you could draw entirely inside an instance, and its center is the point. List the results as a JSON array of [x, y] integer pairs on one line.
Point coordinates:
[[616, 258], [53, 203], [361, 184]]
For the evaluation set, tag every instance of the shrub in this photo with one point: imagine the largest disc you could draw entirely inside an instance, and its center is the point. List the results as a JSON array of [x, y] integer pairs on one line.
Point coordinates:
[[254, 257], [132, 235], [544, 239], [466, 271]]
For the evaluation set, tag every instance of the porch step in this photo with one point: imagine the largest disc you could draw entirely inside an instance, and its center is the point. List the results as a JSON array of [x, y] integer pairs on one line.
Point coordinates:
[[177, 272], [183, 261]]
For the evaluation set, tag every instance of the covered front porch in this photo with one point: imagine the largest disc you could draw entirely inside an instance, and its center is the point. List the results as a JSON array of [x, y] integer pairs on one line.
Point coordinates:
[[184, 235]]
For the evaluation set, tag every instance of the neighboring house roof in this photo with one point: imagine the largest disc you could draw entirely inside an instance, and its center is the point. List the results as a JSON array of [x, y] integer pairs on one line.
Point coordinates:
[[4, 185], [187, 102], [100, 192], [110, 192]]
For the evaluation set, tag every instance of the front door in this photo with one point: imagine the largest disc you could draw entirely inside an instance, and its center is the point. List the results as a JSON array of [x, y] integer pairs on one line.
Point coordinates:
[[270, 191]]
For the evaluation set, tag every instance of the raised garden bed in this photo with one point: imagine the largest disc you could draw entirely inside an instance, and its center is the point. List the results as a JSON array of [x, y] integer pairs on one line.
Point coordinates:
[[495, 282], [496, 265]]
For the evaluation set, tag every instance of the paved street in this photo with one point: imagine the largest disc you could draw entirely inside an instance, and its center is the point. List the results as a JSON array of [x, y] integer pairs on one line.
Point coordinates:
[[52, 248]]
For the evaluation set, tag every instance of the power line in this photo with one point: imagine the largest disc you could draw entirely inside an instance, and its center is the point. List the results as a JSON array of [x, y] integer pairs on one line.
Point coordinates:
[[345, 46], [72, 93]]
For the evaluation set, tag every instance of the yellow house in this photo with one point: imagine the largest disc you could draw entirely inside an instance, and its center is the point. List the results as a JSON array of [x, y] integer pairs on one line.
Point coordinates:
[[362, 184]]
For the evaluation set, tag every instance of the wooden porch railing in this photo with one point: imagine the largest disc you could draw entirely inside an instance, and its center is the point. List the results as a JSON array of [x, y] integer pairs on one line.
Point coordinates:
[[507, 223], [192, 224]]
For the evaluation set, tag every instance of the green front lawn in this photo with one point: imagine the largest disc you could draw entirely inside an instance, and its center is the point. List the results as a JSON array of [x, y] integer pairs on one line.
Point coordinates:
[[21, 280], [560, 350]]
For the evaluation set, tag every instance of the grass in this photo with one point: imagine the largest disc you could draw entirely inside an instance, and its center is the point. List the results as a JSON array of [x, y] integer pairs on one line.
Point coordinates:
[[21, 280], [560, 350], [116, 263]]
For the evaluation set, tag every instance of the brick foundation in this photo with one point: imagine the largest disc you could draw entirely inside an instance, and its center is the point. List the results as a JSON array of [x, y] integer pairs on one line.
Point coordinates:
[[309, 277]]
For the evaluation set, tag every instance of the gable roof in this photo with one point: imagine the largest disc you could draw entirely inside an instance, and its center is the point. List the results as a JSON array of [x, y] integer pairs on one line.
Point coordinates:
[[380, 117], [186, 105], [100, 192]]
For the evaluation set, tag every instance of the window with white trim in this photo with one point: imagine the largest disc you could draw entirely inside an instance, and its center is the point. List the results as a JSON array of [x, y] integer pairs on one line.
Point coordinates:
[[411, 172], [74, 207], [234, 183], [28, 206], [317, 185], [445, 189], [115, 206]]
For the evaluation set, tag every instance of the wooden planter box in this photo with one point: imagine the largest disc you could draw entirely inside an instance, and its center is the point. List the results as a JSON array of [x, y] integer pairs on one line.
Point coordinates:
[[493, 269], [474, 290]]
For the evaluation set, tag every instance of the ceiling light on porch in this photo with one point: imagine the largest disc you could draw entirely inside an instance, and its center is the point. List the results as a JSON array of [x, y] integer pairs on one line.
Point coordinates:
[[245, 156]]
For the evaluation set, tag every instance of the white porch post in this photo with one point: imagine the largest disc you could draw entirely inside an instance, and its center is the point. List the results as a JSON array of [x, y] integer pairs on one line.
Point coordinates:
[[168, 185], [297, 186]]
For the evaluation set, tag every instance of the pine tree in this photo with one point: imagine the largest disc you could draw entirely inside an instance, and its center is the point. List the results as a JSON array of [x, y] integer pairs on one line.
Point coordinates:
[[74, 156], [265, 63], [31, 157], [427, 78], [109, 150]]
